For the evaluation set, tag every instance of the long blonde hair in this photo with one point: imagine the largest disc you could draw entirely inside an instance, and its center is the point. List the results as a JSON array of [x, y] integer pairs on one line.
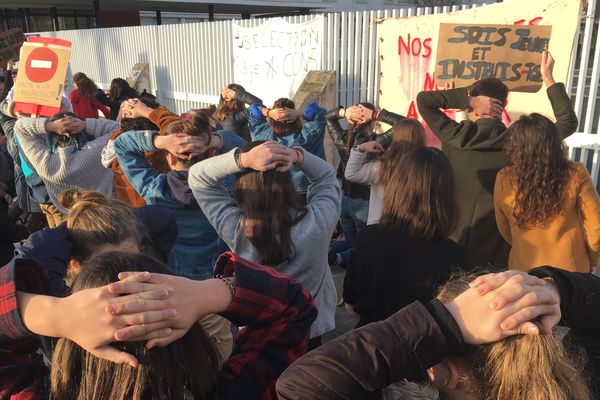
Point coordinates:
[[522, 367]]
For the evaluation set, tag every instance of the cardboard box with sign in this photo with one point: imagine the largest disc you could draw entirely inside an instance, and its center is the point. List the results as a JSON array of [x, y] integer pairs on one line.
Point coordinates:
[[41, 79], [467, 53]]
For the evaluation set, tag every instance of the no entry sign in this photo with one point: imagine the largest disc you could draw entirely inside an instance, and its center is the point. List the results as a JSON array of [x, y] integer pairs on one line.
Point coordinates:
[[41, 65], [41, 78]]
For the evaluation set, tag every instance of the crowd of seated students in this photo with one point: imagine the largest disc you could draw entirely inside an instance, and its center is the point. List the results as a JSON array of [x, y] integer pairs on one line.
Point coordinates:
[[188, 256]]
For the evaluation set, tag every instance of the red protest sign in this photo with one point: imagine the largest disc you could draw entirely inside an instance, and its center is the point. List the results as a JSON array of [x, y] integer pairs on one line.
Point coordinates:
[[40, 84]]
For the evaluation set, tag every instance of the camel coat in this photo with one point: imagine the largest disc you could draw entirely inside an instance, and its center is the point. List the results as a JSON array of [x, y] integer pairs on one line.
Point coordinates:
[[570, 241]]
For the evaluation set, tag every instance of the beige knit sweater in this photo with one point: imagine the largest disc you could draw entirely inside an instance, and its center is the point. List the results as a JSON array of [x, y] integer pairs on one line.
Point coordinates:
[[66, 168]]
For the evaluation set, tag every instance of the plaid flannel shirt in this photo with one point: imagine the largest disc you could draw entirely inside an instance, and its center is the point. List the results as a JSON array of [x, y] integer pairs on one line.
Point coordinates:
[[275, 311]]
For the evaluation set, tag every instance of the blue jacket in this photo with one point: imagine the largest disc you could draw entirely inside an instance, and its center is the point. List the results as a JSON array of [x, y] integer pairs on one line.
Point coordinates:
[[310, 137], [198, 245]]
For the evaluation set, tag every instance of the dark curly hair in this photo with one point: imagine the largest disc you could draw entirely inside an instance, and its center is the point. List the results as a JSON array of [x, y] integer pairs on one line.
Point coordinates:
[[538, 168]]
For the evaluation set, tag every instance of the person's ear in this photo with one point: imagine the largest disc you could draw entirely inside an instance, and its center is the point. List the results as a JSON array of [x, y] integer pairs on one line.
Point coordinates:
[[74, 265], [439, 375], [171, 160], [447, 374], [456, 372]]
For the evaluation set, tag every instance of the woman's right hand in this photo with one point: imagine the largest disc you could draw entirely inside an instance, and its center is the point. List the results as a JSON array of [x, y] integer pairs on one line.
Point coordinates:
[[501, 305]]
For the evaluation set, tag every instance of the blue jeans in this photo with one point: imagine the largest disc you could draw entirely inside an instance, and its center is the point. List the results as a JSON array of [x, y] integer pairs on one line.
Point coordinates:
[[353, 218]]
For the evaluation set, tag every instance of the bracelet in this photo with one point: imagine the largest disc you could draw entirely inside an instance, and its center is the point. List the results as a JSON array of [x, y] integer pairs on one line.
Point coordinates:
[[237, 156], [228, 281]]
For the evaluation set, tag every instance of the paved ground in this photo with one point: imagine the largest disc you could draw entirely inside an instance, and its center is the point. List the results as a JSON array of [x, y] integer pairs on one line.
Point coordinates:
[[343, 322]]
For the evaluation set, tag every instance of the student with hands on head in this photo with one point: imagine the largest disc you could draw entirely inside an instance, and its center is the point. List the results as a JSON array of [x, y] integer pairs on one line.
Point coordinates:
[[231, 114], [268, 223], [185, 142], [65, 151], [283, 124], [479, 340]]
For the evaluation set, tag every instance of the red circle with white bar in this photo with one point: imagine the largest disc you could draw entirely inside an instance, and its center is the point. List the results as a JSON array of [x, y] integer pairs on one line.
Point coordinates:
[[41, 65]]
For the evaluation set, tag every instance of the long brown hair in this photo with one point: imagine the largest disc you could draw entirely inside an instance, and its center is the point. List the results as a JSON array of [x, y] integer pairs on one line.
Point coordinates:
[[94, 221], [186, 368], [355, 129], [271, 206], [538, 168], [284, 128], [522, 367], [85, 85], [419, 198], [227, 107], [408, 134]]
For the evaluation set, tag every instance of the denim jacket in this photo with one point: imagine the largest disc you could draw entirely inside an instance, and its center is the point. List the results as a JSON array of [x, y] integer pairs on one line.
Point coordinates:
[[310, 137], [198, 245]]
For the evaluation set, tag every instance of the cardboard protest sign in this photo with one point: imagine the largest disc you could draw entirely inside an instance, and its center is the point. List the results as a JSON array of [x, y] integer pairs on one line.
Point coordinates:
[[42, 72], [10, 43], [139, 78], [511, 53], [408, 51], [271, 60]]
